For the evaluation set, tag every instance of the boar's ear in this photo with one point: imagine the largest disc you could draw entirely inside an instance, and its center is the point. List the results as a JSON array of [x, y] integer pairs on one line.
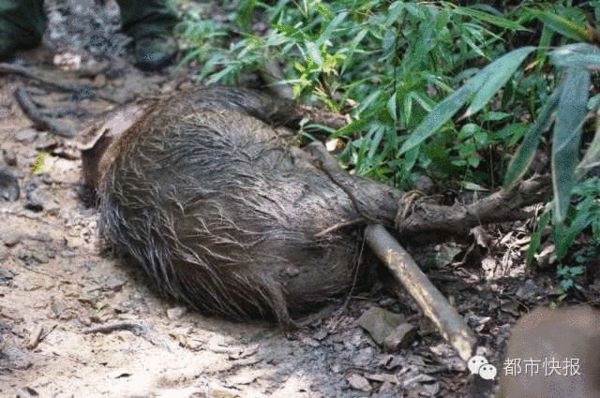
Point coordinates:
[[90, 165], [96, 154]]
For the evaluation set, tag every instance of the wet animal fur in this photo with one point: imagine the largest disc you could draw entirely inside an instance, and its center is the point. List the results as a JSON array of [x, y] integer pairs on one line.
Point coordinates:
[[223, 214]]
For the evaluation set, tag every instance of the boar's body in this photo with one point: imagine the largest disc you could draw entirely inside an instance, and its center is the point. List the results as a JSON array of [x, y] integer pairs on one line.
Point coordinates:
[[223, 214]]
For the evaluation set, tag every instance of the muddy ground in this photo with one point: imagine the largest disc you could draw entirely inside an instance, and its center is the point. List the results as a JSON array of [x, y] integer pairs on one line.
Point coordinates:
[[57, 284]]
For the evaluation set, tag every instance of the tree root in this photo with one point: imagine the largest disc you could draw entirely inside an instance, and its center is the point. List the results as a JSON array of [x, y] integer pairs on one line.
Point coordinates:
[[39, 120], [458, 220], [81, 90]]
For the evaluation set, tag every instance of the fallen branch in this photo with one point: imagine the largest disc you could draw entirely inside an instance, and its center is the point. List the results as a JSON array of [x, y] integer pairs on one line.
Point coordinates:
[[40, 121], [434, 305], [502, 206], [81, 90]]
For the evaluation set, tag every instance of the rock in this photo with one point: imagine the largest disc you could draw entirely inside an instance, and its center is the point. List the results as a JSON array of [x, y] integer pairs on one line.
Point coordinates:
[[401, 336], [9, 186], [38, 200], [35, 201], [26, 136], [39, 257], [6, 275], [114, 283], [363, 358], [176, 312], [380, 323], [10, 157], [11, 239], [358, 382]]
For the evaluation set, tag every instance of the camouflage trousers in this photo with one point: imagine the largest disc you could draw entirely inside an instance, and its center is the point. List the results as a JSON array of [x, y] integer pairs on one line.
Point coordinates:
[[24, 21]]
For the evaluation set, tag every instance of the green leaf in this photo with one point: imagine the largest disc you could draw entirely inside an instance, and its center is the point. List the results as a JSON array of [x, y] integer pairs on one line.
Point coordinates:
[[536, 238], [562, 25], [524, 155], [504, 67], [391, 107], [331, 27], [580, 55], [567, 137], [439, 116], [314, 53], [451, 104], [591, 158], [489, 18]]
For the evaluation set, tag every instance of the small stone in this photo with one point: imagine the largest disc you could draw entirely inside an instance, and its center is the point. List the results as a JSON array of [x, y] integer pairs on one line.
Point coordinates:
[[11, 239], [26, 135], [176, 312], [401, 336], [358, 382], [5, 275], [10, 157], [34, 202], [380, 323], [114, 283], [40, 258], [363, 358], [100, 80], [9, 186]]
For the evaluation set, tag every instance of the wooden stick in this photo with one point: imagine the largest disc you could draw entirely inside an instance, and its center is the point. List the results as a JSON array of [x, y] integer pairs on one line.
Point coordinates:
[[435, 306]]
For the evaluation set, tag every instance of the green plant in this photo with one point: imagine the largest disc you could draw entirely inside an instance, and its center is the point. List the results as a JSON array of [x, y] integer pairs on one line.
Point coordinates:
[[566, 277]]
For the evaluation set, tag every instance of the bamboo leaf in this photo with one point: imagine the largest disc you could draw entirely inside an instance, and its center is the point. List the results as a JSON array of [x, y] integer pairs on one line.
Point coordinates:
[[591, 158], [524, 156], [579, 55], [572, 109], [562, 25], [447, 108], [489, 18], [391, 107], [438, 116], [536, 238], [504, 67]]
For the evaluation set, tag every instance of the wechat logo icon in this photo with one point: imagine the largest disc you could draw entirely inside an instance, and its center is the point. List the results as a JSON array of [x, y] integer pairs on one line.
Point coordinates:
[[478, 365]]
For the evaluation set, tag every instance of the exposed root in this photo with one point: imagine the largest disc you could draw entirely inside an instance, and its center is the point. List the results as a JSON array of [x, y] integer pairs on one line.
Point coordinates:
[[502, 206], [80, 90], [39, 120]]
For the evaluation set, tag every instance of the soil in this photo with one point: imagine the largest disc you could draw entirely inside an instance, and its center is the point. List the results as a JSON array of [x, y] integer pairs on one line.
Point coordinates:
[[76, 321]]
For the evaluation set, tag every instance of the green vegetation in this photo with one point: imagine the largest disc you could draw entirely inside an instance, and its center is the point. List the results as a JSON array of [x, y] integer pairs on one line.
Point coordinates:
[[470, 96]]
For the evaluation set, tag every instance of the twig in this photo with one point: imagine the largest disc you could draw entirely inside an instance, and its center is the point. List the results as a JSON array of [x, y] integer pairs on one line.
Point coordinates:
[[139, 330], [38, 336], [35, 337], [79, 89], [40, 121], [434, 305], [134, 328]]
